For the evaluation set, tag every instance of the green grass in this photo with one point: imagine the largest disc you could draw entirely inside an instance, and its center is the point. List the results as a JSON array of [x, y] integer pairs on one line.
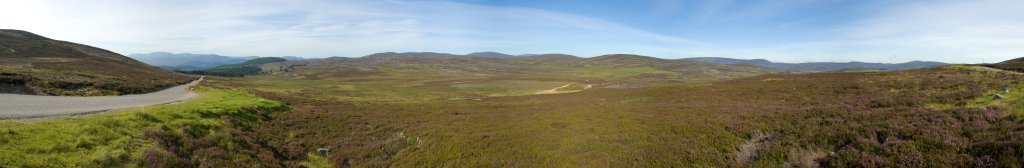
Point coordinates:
[[620, 72], [688, 125], [962, 67], [508, 87], [1013, 100], [317, 161], [835, 119], [392, 88], [116, 139], [485, 90]]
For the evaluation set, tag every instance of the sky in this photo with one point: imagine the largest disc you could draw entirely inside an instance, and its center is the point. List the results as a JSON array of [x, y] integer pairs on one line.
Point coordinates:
[[953, 31]]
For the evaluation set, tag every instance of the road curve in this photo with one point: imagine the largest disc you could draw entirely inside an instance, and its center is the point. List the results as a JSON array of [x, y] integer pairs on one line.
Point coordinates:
[[15, 106], [997, 70]]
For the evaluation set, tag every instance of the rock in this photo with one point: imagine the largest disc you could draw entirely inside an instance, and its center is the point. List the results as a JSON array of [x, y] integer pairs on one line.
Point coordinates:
[[323, 151]]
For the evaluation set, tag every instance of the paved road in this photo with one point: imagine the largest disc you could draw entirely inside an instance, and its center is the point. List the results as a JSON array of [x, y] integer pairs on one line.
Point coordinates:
[[997, 70], [14, 106]]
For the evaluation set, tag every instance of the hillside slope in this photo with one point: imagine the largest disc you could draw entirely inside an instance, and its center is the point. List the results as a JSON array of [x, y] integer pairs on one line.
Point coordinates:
[[33, 64], [1010, 65]]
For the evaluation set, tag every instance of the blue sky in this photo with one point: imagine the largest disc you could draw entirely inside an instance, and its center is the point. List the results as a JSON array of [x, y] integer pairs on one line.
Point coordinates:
[[958, 31], [733, 23]]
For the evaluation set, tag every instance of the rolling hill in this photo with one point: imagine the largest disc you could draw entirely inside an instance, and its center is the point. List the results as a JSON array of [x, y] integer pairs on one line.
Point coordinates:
[[490, 54], [187, 61], [1010, 65], [616, 68], [251, 67], [819, 66], [407, 110], [496, 65], [33, 64]]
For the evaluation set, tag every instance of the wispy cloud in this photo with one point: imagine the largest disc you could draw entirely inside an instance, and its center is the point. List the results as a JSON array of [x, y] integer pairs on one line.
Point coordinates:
[[728, 10], [328, 28], [952, 31], [786, 30]]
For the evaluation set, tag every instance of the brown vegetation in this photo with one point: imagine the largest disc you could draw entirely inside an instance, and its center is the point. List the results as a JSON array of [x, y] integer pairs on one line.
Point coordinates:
[[32, 64], [631, 68], [868, 119]]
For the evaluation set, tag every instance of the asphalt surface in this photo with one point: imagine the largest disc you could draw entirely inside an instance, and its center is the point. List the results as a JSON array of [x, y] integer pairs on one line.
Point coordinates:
[[15, 106], [997, 70]]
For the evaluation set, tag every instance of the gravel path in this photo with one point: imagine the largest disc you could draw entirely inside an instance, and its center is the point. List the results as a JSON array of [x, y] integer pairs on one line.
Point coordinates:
[[15, 106]]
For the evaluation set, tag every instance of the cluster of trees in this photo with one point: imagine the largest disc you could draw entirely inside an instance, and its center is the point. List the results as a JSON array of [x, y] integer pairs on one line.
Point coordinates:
[[240, 73], [251, 67]]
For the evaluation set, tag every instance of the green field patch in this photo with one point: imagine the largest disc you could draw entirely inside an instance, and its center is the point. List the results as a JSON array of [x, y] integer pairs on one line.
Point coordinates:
[[317, 161], [634, 100], [485, 90], [116, 139], [508, 87], [1011, 99], [620, 72]]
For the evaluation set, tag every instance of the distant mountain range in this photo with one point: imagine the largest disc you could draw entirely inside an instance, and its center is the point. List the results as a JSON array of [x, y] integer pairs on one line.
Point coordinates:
[[820, 66], [192, 62], [251, 67], [627, 70], [490, 55], [198, 62], [805, 67]]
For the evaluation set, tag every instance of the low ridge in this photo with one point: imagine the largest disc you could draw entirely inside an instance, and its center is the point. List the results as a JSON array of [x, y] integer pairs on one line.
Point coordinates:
[[33, 64]]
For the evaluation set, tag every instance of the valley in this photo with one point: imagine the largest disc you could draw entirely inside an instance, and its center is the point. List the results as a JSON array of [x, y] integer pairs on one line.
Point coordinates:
[[487, 109], [424, 110], [512, 84], [832, 119]]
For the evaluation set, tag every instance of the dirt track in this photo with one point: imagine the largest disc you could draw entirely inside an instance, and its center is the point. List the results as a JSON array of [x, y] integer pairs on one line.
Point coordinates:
[[555, 90], [14, 106]]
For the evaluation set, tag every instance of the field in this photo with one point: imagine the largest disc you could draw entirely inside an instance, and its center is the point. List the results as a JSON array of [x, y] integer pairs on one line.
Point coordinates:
[[954, 116], [919, 118], [161, 135]]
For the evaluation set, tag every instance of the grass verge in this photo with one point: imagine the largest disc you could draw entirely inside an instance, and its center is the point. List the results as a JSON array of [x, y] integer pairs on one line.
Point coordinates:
[[117, 139]]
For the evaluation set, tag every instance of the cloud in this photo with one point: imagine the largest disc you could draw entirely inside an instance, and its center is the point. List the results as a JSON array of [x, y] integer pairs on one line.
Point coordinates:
[[731, 10], [953, 31], [886, 31], [958, 30], [322, 28]]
